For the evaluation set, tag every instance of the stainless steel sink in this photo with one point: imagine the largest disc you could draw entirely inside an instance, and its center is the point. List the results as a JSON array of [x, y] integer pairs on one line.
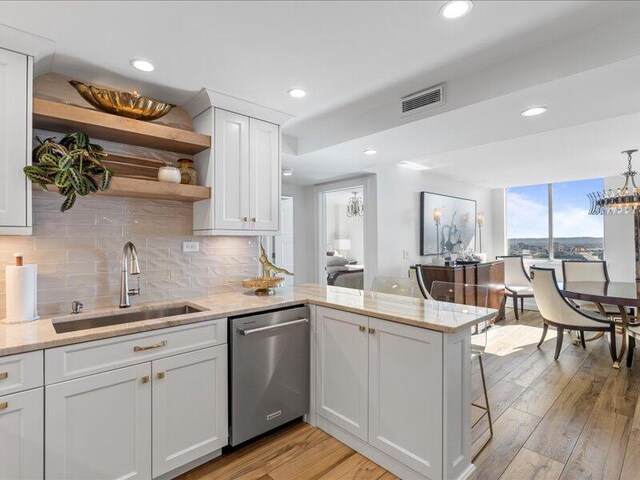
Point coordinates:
[[64, 326]]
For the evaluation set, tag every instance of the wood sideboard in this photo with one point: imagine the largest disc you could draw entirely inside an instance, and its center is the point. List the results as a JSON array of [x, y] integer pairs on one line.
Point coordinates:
[[486, 273]]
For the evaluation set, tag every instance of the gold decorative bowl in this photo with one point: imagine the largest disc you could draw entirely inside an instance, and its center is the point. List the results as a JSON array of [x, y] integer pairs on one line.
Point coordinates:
[[124, 104], [262, 285]]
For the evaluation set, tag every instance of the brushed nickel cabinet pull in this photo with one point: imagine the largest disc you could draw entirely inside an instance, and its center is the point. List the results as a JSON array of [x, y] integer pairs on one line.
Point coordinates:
[[245, 219], [372, 330], [253, 219], [138, 348], [145, 379], [361, 328], [4, 375], [160, 375], [4, 405]]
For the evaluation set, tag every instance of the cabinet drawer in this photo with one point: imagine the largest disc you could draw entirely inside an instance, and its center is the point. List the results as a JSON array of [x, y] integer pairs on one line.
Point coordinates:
[[21, 372], [73, 361]]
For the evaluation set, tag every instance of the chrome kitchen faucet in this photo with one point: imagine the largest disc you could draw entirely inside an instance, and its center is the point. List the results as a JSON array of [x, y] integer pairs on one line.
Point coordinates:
[[129, 253]]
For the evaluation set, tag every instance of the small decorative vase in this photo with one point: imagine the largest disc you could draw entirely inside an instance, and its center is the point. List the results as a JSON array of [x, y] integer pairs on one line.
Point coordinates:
[[187, 172], [169, 175]]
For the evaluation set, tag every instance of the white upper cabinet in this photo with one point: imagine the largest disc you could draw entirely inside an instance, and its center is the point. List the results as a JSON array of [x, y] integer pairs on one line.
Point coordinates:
[[264, 175], [231, 171], [243, 169], [16, 80]]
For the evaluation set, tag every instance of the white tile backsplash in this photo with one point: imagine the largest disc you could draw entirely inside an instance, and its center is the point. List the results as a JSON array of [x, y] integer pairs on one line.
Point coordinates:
[[78, 253]]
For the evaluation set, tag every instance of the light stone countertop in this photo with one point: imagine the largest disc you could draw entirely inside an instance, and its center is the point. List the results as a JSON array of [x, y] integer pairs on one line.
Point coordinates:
[[438, 316]]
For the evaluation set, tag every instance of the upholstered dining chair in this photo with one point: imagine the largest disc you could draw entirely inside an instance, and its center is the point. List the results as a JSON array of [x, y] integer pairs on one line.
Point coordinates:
[[448, 292], [516, 281], [589, 271], [406, 287], [562, 315]]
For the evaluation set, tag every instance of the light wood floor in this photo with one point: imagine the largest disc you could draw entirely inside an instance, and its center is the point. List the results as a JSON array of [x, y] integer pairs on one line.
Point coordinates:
[[577, 418]]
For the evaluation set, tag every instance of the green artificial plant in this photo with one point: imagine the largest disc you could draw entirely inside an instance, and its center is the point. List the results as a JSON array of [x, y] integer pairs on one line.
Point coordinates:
[[72, 164]]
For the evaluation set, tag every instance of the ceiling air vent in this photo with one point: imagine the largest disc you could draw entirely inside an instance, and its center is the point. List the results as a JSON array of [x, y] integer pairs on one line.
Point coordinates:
[[418, 102]]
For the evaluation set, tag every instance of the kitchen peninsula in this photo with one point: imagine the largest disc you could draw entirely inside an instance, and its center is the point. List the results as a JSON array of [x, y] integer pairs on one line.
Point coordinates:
[[390, 377]]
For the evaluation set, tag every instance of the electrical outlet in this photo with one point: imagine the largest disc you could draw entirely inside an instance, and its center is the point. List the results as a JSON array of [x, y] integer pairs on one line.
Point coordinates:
[[405, 254], [190, 247]]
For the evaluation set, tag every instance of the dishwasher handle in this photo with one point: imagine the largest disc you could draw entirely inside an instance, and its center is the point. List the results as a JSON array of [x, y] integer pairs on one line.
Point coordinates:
[[274, 327]]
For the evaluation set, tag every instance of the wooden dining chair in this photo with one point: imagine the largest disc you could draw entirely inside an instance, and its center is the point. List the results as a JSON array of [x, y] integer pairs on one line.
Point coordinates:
[[516, 281], [450, 292], [562, 315]]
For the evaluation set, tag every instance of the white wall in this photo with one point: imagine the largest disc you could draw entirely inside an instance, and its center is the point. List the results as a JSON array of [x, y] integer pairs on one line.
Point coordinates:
[[398, 190], [499, 226], [303, 232], [619, 245]]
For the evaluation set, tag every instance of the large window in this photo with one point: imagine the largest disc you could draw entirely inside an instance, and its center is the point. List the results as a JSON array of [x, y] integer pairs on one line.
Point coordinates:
[[552, 221]]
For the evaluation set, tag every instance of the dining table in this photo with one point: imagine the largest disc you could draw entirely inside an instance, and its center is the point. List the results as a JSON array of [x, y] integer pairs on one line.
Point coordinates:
[[624, 295]]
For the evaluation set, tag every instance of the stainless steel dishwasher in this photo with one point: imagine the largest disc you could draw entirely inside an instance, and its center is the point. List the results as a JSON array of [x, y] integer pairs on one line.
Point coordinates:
[[269, 371]]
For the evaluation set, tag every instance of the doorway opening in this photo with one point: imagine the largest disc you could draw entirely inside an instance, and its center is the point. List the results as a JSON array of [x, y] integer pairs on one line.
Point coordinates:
[[343, 237]]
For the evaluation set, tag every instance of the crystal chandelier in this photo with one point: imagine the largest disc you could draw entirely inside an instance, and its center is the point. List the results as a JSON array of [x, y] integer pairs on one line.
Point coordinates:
[[621, 201], [355, 207]]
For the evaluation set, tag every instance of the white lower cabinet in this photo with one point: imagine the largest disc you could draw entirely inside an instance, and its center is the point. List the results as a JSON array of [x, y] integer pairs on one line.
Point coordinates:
[[189, 407], [342, 370], [382, 382], [99, 427], [21, 435], [405, 395]]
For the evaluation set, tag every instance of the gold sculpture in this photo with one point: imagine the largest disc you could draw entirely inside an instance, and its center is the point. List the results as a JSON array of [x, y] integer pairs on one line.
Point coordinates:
[[268, 267], [264, 285]]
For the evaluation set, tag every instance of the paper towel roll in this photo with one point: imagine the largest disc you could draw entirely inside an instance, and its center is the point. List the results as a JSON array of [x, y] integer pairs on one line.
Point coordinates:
[[22, 293]]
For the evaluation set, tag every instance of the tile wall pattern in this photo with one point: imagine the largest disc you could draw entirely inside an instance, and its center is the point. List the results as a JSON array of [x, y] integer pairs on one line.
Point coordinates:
[[78, 253]]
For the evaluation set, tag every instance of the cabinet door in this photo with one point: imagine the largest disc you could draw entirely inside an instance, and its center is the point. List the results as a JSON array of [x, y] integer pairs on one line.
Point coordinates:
[[264, 171], [231, 171], [341, 373], [405, 395], [99, 426], [21, 435], [189, 407], [15, 139]]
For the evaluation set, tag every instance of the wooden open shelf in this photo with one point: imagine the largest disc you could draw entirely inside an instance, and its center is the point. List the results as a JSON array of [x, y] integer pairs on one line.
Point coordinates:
[[138, 188], [60, 117]]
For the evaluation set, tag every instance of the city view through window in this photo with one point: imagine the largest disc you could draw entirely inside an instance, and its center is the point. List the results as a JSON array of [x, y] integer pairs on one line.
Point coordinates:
[[574, 234]]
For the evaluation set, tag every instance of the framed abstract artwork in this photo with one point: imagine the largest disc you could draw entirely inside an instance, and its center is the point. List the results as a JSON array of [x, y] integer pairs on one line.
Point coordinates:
[[446, 223]]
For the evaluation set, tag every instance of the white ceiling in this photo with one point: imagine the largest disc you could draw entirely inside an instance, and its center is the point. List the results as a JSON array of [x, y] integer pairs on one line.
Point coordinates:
[[472, 142], [338, 51], [356, 59]]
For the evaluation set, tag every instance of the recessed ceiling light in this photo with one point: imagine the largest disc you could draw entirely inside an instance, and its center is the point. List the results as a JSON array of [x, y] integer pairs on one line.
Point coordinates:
[[370, 151], [456, 9], [143, 65], [532, 112], [414, 166], [287, 172], [297, 92]]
